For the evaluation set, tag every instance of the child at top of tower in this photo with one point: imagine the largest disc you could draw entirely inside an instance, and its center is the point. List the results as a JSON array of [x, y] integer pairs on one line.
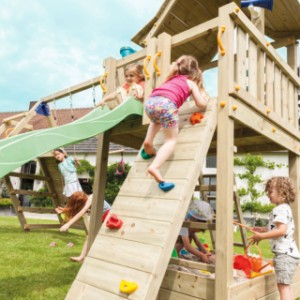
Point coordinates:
[[184, 79], [134, 86]]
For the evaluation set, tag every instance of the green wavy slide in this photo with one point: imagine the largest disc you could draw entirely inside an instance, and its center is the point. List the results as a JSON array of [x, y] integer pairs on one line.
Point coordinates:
[[18, 150]]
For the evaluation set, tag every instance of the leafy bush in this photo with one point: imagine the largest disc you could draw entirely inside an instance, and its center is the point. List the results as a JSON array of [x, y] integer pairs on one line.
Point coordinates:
[[40, 201], [114, 182], [5, 202], [256, 206]]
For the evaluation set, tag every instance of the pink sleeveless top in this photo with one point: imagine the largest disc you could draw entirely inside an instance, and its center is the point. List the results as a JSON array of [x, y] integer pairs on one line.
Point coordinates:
[[176, 89]]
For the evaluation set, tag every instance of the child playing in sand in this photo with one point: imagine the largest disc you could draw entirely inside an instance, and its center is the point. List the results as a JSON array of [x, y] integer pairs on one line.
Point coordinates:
[[134, 86], [77, 206], [280, 231], [185, 79], [199, 211]]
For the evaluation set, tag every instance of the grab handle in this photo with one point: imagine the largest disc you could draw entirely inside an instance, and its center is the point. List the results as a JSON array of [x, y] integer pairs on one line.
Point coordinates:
[[221, 30], [146, 60], [101, 82], [157, 70]]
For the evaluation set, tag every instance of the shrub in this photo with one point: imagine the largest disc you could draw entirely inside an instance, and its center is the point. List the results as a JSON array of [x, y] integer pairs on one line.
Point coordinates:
[[40, 201], [256, 206], [114, 182], [5, 202]]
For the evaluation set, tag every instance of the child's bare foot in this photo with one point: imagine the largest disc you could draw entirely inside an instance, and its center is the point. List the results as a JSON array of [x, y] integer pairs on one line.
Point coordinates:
[[149, 149], [77, 259], [156, 174]]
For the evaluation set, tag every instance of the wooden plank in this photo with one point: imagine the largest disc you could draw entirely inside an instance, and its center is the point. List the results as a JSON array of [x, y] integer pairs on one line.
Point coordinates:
[[270, 83], [41, 226], [284, 96], [261, 76], [132, 58], [15, 202], [277, 91], [140, 230], [39, 210], [99, 187], [252, 68], [189, 284], [81, 290], [195, 32], [199, 225], [164, 60], [254, 288], [110, 277], [110, 65], [126, 253], [291, 105], [192, 264], [150, 82], [147, 208], [241, 61], [260, 110], [264, 126], [165, 294], [294, 167], [32, 193], [224, 227], [15, 123], [29, 176]]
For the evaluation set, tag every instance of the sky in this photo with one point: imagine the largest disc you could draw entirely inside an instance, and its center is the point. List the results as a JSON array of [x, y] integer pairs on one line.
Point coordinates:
[[50, 45]]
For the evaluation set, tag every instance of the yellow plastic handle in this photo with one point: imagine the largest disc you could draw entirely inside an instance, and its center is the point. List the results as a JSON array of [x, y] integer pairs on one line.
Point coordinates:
[[8, 130], [102, 84], [157, 70], [146, 60], [221, 30]]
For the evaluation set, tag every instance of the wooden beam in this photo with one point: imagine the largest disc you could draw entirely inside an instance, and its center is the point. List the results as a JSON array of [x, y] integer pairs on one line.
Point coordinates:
[[199, 225], [29, 176], [195, 32], [32, 193], [99, 187], [225, 155]]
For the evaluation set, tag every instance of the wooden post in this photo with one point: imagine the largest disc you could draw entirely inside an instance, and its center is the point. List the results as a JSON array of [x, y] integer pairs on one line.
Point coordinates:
[[16, 203], [225, 150], [99, 187], [150, 82], [259, 22], [163, 61], [110, 65], [292, 55], [294, 167]]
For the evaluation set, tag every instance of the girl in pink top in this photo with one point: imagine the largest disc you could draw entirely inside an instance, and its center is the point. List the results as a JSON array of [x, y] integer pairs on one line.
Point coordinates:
[[185, 79]]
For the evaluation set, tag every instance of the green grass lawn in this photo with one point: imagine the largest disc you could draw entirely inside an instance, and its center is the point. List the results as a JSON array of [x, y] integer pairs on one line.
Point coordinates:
[[32, 270]]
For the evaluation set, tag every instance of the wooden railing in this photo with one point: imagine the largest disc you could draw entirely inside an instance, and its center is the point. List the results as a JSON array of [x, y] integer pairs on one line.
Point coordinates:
[[261, 77]]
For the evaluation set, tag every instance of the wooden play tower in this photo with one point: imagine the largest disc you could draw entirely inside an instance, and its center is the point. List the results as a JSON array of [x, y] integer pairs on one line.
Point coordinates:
[[256, 110]]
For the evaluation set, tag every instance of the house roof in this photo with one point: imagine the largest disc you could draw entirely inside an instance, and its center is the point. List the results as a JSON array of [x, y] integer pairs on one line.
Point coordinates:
[[175, 16], [62, 117]]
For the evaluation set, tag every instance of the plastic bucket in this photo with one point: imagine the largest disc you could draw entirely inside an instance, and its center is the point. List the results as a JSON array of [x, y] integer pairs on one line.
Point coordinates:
[[124, 51]]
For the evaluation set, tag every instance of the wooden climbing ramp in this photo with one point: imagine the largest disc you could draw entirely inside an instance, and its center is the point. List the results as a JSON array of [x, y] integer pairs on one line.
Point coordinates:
[[141, 249]]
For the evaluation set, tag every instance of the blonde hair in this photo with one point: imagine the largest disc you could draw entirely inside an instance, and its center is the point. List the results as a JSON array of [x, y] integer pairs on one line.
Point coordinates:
[[137, 70], [284, 188], [187, 65]]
